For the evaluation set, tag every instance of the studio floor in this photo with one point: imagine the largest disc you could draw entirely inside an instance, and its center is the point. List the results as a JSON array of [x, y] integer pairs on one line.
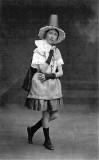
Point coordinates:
[[74, 134]]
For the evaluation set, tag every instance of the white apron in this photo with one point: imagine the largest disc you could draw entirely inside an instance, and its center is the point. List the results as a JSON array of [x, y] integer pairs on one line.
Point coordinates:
[[49, 89]]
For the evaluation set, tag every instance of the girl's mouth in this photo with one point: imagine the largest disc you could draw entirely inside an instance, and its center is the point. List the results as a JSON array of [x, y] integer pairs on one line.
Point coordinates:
[[51, 40]]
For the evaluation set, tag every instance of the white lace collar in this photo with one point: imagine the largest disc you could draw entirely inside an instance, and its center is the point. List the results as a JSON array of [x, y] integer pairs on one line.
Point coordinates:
[[43, 46]]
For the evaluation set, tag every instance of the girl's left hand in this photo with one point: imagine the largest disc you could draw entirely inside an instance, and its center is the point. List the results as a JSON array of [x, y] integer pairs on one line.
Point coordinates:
[[41, 77]]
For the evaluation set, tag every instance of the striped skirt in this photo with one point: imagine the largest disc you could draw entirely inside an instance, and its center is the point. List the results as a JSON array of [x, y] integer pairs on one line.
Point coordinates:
[[44, 105]]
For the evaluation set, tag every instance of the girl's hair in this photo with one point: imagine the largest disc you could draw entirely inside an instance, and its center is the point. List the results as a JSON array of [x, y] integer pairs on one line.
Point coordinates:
[[48, 31]]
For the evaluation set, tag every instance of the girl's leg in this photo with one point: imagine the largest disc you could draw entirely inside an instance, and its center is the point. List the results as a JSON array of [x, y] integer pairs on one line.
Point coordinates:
[[45, 119], [53, 115], [45, 123], [33, 129]]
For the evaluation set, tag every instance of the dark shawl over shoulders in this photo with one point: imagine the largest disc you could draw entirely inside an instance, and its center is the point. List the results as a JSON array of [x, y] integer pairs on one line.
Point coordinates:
[[28, 79]]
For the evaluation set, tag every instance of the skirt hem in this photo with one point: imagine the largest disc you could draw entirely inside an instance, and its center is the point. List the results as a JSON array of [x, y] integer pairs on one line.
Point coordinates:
[[44, 105]]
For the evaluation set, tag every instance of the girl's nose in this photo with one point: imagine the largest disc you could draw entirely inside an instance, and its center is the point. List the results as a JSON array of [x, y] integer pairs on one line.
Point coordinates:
[[52, 37]]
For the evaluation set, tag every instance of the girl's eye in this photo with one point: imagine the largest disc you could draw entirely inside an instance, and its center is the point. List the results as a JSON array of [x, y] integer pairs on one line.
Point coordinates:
[[51, 32], [55, 34]]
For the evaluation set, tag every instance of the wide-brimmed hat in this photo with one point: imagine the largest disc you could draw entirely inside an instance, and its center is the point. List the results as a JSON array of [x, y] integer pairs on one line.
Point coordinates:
[[53, 24]]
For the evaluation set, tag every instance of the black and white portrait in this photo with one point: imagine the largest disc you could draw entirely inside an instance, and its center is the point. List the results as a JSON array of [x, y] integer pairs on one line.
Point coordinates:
[[49, 71]]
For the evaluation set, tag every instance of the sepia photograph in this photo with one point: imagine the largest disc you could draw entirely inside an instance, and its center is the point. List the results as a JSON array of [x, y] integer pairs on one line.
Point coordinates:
[[49, 76]]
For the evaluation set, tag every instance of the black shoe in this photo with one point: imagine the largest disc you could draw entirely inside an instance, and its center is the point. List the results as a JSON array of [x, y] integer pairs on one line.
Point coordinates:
[[30, 135], [48, 145]]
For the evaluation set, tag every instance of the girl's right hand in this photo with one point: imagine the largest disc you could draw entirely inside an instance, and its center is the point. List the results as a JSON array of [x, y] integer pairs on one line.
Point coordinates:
[[41, 77]]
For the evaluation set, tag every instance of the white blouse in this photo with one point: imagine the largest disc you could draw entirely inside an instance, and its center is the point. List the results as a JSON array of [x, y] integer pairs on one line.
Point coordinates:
[[41, 53]]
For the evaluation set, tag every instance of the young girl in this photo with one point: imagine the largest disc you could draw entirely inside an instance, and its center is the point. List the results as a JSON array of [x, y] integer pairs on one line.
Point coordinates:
[[45, 93]]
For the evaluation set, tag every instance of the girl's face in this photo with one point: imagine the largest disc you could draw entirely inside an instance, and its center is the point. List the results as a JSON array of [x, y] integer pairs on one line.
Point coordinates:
[[51, 36]]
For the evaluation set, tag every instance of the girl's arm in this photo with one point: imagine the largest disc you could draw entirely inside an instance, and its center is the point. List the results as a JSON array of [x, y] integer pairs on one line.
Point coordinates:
[[60, 72], [45, 76]]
